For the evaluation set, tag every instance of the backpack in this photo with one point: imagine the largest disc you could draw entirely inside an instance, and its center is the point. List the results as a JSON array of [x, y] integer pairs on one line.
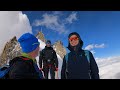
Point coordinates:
[[4, 71]]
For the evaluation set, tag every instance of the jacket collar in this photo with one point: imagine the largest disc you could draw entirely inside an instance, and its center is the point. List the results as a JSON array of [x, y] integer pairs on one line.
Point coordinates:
[[27, 56]]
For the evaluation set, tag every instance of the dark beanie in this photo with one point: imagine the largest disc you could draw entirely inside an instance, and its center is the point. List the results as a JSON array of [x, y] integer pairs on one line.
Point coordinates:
[[48, 41]]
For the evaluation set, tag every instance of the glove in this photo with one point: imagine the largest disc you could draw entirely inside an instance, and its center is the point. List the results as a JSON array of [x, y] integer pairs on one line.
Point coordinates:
[[56, 69], [41, 68]]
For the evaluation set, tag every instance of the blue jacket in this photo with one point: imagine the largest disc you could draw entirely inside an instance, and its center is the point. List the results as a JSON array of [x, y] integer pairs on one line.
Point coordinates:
[[78, 67]]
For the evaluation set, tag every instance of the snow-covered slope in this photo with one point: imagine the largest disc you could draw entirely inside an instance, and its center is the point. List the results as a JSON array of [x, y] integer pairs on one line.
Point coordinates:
[[42, 45]]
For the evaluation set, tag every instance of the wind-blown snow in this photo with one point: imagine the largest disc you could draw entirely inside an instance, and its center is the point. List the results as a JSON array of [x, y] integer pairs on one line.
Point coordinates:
[[42, 46]]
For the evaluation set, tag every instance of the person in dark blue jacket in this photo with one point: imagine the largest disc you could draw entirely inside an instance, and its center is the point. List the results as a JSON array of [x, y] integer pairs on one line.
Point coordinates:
[[77, 65]]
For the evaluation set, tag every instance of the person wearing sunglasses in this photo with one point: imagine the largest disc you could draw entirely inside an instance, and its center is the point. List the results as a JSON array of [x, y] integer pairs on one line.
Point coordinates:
[[75, 64], [48, 61]]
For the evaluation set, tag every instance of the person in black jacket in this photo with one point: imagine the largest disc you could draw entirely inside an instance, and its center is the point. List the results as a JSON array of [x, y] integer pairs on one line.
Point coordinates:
[[77, 65], [25, 66], [49, 60]]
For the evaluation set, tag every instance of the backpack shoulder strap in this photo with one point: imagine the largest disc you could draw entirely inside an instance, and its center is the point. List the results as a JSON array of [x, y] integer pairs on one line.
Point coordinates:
[[87, 54], [66, 57]]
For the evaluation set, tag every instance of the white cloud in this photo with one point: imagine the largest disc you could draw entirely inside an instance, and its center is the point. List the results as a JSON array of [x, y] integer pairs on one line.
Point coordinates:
[[108, 60], [57, 13], [109, 67], [93, 52], [89, 47], [12, 23], [99, 46], [54, 22], [51, 21], [92, 46], [72, 17]]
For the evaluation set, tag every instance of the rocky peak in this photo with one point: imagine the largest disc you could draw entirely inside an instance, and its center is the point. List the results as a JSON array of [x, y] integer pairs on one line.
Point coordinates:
[[60, 49], [41, 36], [11, 50]]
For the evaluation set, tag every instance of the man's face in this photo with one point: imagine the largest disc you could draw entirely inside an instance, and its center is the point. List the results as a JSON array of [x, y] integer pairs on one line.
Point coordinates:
[[48, 44]]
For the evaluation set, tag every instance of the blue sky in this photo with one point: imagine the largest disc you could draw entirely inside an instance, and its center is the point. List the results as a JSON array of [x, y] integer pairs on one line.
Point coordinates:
[[99, 30]]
